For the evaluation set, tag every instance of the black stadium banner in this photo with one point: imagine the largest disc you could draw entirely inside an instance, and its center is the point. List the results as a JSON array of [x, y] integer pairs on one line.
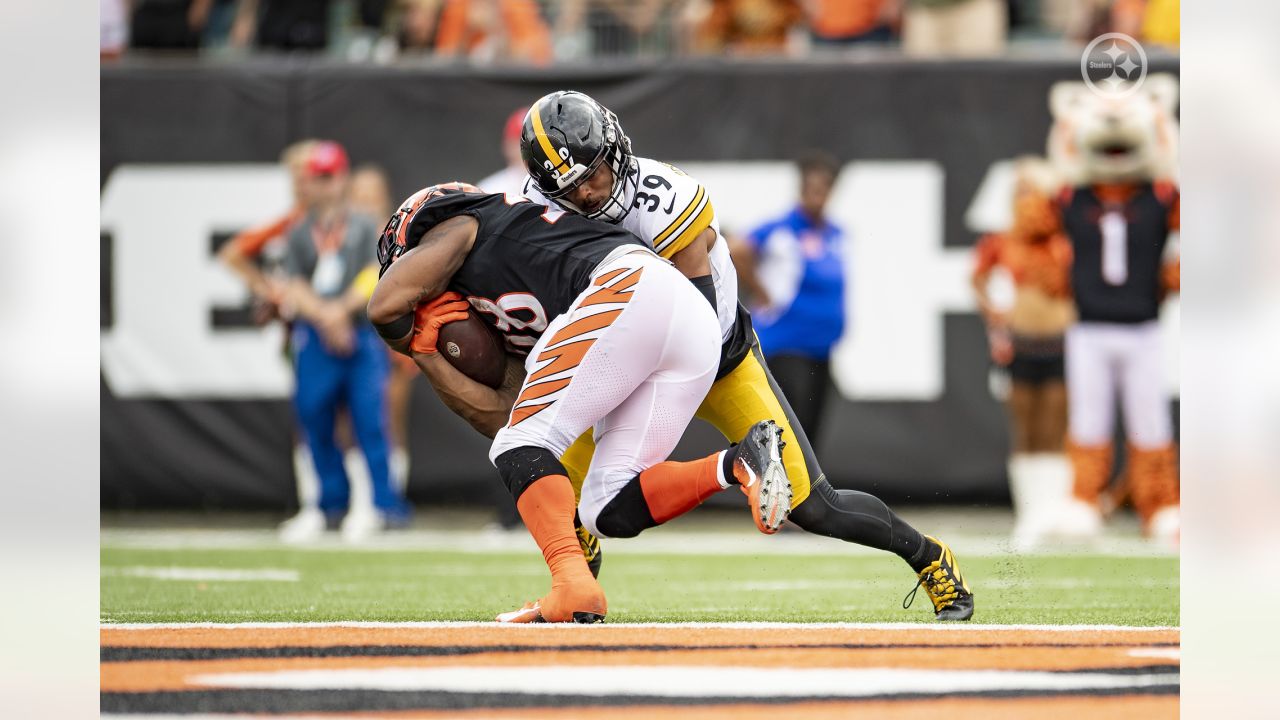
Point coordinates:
[[195, 409]]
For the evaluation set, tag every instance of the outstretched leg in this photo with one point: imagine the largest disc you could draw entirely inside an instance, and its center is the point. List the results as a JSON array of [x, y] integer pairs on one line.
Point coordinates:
[[749, 394]]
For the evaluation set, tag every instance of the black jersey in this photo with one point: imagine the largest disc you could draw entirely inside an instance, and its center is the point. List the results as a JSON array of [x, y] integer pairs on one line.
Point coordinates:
[[528, 264], [1118, 249]]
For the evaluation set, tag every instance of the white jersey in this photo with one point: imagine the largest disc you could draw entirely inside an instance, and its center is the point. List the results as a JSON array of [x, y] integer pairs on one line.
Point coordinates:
[[669, 210]]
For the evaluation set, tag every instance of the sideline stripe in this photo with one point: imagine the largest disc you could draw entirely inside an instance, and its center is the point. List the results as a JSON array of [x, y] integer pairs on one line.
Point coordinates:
[[198, 574], [676, 681], [123, 653], [606, 627], [274, 702]]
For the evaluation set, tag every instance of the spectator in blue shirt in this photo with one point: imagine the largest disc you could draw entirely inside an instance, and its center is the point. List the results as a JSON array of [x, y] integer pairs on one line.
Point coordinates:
[[339, 360], [793, 270]]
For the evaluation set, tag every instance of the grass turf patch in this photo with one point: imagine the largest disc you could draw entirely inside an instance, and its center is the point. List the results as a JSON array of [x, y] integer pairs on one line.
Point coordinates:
[[337, 584]]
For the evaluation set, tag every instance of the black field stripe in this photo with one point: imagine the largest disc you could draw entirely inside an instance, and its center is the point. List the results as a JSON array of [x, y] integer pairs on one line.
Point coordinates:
[[312, 701], [127, 654]]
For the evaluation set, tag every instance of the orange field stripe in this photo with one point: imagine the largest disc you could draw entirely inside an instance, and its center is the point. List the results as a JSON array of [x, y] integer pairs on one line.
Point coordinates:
[[1124, 707], [154, 675]]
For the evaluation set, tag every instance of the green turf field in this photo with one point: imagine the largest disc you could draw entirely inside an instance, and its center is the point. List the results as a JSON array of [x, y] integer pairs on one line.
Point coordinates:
[[177, 585]]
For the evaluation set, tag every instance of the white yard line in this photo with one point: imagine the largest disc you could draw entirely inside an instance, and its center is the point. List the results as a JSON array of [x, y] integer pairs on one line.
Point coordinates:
[[680, 681], [606, 627], [660, 541], [197, 574]]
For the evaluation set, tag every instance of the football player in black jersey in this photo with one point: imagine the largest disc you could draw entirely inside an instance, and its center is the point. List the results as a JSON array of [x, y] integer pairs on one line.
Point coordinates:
[[617, 342], [580, 160]]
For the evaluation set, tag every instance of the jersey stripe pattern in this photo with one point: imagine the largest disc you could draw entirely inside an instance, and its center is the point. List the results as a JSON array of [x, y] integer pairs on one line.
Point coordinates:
[[556, 364], [687, 225]]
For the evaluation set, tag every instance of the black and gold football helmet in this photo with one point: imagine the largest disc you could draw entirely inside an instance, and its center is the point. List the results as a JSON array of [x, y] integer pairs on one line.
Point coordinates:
[[565, 138]]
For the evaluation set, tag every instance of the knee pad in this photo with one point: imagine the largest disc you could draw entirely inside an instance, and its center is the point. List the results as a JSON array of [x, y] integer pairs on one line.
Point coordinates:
[[623, 516], [523, 465]]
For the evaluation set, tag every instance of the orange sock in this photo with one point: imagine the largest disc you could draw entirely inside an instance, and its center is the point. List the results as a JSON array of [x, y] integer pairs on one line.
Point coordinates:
[[547, 508], [672, 489]]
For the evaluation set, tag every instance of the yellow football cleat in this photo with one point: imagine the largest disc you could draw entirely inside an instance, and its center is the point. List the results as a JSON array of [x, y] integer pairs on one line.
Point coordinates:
[[590, 545], [946, 587]]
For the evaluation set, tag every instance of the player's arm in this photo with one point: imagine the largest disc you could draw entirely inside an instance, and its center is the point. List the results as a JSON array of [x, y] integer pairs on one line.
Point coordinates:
[[423, 273], [986, 257], [694, 262], [743, 253], [485, 408], [985, 260], [238, 254]]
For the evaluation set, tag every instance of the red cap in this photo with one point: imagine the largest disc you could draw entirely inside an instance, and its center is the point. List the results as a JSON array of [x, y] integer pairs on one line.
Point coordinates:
[[327, 158], [514, 123]]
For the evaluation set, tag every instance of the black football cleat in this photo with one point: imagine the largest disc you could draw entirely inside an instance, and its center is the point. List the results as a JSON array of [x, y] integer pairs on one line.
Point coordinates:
[[952, 600], [758, 468]]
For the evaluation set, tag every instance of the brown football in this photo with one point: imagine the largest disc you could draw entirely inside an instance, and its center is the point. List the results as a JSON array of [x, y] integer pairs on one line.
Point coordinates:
[[474, 347]]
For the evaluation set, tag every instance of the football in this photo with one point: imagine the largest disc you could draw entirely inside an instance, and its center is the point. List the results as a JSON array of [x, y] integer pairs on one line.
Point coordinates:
[[474, 347]]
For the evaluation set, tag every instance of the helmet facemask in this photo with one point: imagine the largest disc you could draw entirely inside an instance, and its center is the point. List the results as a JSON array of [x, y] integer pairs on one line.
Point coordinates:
[[625, 176], [614, 149], [617, 153]]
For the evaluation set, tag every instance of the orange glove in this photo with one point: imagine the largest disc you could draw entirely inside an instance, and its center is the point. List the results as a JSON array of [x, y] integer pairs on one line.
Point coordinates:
[[429, 317]]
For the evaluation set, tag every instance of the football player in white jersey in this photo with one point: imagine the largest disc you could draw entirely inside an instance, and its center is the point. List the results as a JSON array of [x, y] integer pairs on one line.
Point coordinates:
[[580, 160]]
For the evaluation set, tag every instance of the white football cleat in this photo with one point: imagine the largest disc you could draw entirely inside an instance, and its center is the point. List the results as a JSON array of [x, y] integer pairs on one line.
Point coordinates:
[[1165, 526], [1078, 520], [361, 523], [305, 527], [1040, 484]]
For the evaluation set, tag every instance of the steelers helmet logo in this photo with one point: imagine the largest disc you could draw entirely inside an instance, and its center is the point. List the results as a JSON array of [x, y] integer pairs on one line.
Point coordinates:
[[1114, 65]]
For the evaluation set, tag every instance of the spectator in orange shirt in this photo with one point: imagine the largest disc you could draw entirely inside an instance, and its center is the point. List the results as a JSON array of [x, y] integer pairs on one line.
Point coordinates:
[[840, 23], [747, 26], [239, 253], [494, 30]]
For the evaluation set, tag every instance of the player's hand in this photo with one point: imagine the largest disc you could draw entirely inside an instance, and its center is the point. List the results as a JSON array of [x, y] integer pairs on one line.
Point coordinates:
[[336, 330], [1001, 346], [430, 316]]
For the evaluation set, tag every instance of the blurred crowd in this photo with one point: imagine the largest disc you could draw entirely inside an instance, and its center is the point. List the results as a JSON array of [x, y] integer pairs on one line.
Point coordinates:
[[540, 32]]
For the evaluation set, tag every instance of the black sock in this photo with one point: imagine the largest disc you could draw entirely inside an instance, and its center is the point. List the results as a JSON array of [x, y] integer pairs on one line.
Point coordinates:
[[925, 556], [726, 464]]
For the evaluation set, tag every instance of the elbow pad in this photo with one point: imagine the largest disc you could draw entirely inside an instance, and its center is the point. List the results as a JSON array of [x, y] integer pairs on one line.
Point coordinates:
[[707, 287]]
